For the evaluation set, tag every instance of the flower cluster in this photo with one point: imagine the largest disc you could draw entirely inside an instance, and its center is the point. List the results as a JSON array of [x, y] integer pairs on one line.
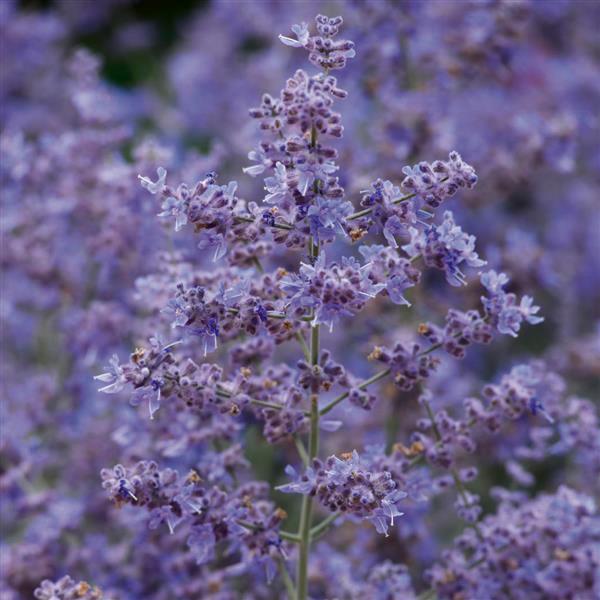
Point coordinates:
[[229, 311], [141, 373], [325, 52], [389, 213], [502, 309], [280, 402], [502, 312], [330, 291], [433, 183], [527, 390], [397, 273], [347, 485], [408, 365], [156, 376], [460, 331], [444, 247], [534, 546], [518, 394], [305, 196], [159, 491], [323, 375], [334, 573], [67, 589], [215, 212], [211, 515]]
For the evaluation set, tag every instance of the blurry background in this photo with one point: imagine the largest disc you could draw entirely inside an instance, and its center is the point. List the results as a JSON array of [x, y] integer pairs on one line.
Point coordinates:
[[93, 92]]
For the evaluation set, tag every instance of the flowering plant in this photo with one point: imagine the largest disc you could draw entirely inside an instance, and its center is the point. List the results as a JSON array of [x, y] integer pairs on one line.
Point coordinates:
[[264, 456]]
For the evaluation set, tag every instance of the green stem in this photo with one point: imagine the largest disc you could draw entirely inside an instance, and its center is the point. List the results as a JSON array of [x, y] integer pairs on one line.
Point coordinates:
[[361, 386], [286, 535], [265, 404], [318, 530], [313, 450], [313, 136], [314, 345], [290, 537], [274, 226], [307, 501], [460, 486], [301, 450], [287, 580], [258, 264], [305, 348], [366, 211], [420, 457]]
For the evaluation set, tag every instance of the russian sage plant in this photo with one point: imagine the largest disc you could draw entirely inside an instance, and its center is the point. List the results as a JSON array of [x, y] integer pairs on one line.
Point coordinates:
[[305, 209], [325, 396]]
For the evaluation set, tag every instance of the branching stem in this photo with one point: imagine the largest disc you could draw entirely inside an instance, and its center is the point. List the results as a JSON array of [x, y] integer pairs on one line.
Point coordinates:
[[318, 530], [304, 530], [460, 486], [366, 383]]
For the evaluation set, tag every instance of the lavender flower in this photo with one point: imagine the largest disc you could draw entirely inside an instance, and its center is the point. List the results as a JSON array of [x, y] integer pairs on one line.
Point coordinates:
[[345, 484], [435, 182], [385, 266], [444, 247], [330, 291], [325, 52], [142, 373], [546, 545], [154, 187], [407, 364], [502, 309], [388, 212], [66, 589], [302, 35], [327, 216], [460, 331]]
